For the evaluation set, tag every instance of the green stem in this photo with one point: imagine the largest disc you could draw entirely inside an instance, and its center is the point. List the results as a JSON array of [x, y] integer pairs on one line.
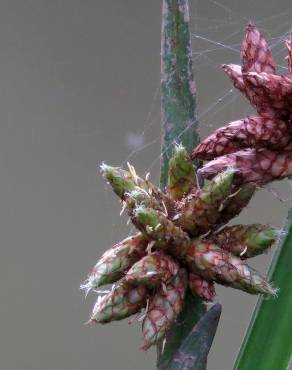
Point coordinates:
[[268, 341], [178, 92], [178, 105]]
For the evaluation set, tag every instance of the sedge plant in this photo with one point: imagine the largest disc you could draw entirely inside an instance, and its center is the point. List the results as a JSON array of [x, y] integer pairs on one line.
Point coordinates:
[[183, 245]]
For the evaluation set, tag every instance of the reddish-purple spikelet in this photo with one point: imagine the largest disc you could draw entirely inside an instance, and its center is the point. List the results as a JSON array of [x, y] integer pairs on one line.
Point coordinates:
[[271, 93], [256, 78], [256, 166], [254, 131], [255, 53]]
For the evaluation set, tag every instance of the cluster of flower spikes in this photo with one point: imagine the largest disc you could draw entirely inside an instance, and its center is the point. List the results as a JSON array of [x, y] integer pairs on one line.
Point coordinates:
[[258, 146], [182, 240]]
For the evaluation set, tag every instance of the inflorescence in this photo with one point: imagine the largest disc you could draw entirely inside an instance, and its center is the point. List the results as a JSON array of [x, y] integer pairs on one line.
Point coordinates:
[[182, 241]]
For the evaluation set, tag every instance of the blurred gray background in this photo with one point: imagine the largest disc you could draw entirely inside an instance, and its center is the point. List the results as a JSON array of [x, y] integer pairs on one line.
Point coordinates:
[[79, 85]]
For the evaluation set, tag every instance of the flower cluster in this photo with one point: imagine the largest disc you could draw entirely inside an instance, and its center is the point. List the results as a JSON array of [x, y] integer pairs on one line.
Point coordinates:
[[259, 146], [182, 241]]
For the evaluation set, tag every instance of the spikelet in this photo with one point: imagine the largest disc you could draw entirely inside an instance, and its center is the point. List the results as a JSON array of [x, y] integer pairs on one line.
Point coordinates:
[[163, 309], [120, 180], [215, 264], [156, 226], [272, 93], [256, 79], [255, 53], [255, 131], [121, 302], [124, 182], [201, 287], [202, 210], [253, 166], [152, 270], [246, 241], [116, 261], [181, 178]]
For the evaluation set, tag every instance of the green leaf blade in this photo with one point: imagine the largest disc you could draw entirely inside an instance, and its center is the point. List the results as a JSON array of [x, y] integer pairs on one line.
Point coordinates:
[[268, 341]]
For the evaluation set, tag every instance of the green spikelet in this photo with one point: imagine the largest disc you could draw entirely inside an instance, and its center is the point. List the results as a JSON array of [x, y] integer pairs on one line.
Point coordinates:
[[140, 197], [213, 263], [163, 309], [121, 302], [121, 181], [247, 240], [181, 174], [202, 209], [116, 261], [156, 226], [237, 201], [124, 182], [152, 270]]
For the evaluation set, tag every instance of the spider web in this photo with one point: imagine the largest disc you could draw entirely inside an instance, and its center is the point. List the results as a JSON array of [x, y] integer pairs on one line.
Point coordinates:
[[214, 41]]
